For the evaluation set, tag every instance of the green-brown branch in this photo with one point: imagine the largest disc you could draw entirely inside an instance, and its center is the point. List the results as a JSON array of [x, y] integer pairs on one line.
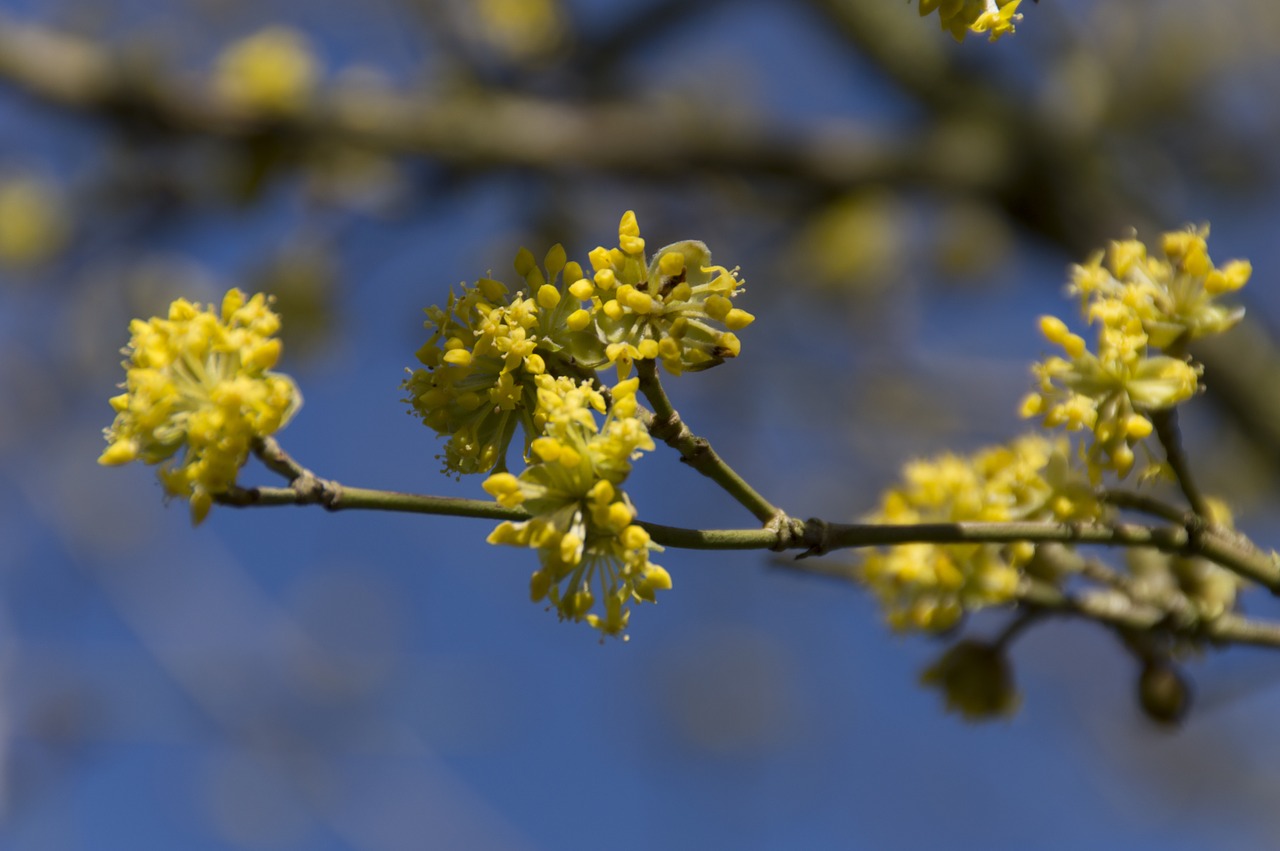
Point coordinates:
[[667, 426], [813, 537]]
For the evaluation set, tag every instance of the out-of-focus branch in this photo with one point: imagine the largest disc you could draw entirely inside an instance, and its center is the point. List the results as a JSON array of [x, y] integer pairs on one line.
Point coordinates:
[[1119, 611], [480, 128]]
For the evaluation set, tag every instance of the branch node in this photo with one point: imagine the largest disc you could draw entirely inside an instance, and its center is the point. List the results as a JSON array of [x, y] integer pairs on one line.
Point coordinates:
[[789, 530], [332, 496], [698, 449], [666, 429], [815, 533]]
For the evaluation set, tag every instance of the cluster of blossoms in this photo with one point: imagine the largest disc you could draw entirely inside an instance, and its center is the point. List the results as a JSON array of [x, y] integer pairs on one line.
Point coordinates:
[[488, 345], [1146, 309], [486, 349], [497, 361], [200, 394], [929, 586], [198, 382], [583, 525], [677, 307], [959, 17]]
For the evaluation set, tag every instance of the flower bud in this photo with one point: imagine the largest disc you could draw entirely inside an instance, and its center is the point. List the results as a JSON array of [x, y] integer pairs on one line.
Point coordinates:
[[1163, 693]]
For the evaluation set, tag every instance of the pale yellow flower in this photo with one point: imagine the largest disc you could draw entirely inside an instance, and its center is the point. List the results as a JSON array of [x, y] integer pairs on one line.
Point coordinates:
[[198, 392], [675, 307], [595, 558]]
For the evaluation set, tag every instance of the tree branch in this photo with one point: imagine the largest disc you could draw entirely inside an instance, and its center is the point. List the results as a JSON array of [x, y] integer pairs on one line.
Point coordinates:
[[1113, 608], [667, 426], [813, 537], [474, 128]]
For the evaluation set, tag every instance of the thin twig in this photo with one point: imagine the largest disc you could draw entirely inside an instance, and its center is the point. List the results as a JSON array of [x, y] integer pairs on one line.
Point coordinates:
[[1112, 608], [1016, 626], [811, 535], [1134, 501], [667, 426]]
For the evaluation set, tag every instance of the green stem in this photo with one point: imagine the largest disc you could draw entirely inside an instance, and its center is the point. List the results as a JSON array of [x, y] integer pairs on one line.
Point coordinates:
[[278, 461], [814, 536], [340, 498], [667, 426]]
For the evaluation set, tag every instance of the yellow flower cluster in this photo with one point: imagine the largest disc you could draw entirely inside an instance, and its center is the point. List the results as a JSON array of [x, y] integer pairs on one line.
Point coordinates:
[[929, 586], [583, 525], [1140, 304], [198, 382], [1175, 296], [488, 345], [486, 348], [676, 308], [498, 361], [960, 17], [274, 70]]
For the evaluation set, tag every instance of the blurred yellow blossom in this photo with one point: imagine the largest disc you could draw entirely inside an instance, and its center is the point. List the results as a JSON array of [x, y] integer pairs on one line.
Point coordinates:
[[929, 586], [198, 392], [273, 70], [33, 221], [595, 558]]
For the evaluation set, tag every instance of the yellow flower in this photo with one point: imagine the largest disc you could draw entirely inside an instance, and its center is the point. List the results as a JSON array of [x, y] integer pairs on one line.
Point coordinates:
[[960, 17], [198, 382], [928, 586], [274, 70], [1175, 295], [676, 307], [1140, 304], [1109, 393], [997, 19], [595, 558], [485, 351]]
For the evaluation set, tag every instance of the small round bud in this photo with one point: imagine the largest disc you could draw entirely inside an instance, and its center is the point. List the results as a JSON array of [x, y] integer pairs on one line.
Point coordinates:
[[1163, 693]]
